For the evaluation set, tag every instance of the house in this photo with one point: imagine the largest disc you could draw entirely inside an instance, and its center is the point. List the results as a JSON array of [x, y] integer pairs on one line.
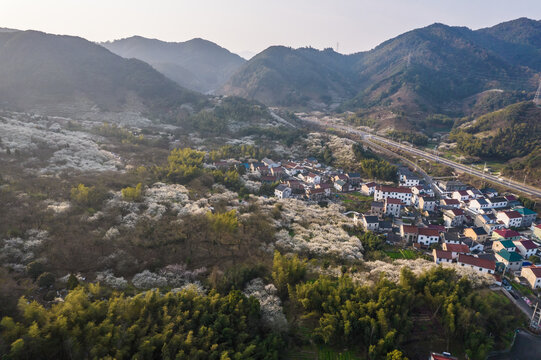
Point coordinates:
[[497, 202], [296, 186], [427, 236], [341, 185], [370, 222], [312, 178], [442, 256], [383, 192], [377, 208], [269, 163], [505, 234], [511, 260], [489, 222], [473, 245], [528, 216], [452, 237], [460, 195], [504, 244], [354, 178], [477, 234], [456, 249], [536, 231], [326, 187], [277, 171], [407, 178], [255, 165], [512, 200], [451, 185], [481, 265], [526, 248], [409, 232], [489, 192], [282, 191], [266, 179], [510, 218], [479, 205], [392, 207], [533, 275], [453, 217], [474, 193], [450, 203], [427, 203], [315, 194], [337, 177], [385, 226], [369, 188]]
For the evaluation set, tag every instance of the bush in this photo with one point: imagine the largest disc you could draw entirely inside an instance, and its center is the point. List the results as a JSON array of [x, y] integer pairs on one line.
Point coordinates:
[[46, 280], [35, 269], [132, 194]]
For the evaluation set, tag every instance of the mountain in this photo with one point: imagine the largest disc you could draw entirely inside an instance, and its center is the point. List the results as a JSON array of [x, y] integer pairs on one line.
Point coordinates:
[[56, 73], [196, 64], [431, 69], [284, 76]]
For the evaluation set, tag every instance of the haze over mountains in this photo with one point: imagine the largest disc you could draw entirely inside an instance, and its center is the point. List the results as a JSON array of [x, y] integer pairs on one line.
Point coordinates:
[[53, 73], [196, 64], [436, 69]]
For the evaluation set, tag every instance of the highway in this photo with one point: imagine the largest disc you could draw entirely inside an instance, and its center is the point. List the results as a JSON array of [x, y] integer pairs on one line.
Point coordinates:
[[375, 139]]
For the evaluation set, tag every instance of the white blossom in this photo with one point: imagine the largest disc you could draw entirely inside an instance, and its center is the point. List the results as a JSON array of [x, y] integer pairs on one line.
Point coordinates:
[[272, 314]]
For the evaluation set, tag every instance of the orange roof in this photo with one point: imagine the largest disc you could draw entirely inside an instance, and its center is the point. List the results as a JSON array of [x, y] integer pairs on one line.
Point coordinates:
[[410, 229], [458, 248], [429, 232]]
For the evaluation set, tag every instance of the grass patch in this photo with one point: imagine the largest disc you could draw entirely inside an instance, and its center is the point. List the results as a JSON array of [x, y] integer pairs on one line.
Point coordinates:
[[402, 254], [525, 290]]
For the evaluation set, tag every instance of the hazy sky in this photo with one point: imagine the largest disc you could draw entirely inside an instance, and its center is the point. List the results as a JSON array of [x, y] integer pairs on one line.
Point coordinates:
[[252, 25]]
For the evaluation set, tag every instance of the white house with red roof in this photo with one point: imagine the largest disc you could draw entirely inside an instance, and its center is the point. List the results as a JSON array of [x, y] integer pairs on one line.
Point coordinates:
[[510, 218], [383, 192], [456, 249], [461, 195], [450, 203], [533, 275], [475, 263], [392, 207], [427, 236], [453, 217], [369, 188], [442, 256], [526, 247], [409, 232]]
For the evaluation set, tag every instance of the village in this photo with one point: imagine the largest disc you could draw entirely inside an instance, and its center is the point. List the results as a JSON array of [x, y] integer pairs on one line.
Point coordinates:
[[445, 219]]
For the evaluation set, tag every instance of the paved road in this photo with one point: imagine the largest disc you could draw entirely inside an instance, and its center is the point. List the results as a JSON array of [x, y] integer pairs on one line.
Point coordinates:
[[372, 139], [526, 346]]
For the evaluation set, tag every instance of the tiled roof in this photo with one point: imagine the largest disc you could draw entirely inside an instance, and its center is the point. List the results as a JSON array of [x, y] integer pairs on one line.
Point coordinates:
[[536, 270], [458, 248], [451, 201], [505, 233], [528, 244], [393, 201], [442, 254], [400, 189], [428, 232], [512, 214], [475, 261], [507, 244], [410, 229], [510, 256]]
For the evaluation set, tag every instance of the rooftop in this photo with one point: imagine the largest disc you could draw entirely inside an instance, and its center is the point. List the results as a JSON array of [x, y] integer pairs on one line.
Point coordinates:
[[442, 254], [507, 244], [458, 248], [428, 232], [506, 233], [536, 270], [475, 261], [510, 256]]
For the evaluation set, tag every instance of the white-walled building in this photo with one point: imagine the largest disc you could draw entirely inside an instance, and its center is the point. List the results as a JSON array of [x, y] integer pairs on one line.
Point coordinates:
[[383, 192]]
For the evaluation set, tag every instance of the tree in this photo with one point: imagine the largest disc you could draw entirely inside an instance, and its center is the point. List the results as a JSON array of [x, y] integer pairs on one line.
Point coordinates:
[[35, 269], [132, 194], [72, 282], [46, 280], [80, 194]]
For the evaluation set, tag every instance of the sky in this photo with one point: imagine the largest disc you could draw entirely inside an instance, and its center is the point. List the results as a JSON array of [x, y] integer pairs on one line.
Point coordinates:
[[249, 26]]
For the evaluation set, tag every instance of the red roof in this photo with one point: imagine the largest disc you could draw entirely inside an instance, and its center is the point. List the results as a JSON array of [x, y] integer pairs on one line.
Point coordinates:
[[472, 260], [268, 178], [442, 254], [463, 193], [370, 184], [458, 248], [315, 191], [457, 212], [393, 201], [451, 201], [440, 228], [506, 233], [510, 198], [410, 229], [528, 244], [429, 232], [390, 189], [536, 270], [442, 357], [513, 214]]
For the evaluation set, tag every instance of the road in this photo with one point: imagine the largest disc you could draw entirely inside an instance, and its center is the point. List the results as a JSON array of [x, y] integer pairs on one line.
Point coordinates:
[[374, 139]]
